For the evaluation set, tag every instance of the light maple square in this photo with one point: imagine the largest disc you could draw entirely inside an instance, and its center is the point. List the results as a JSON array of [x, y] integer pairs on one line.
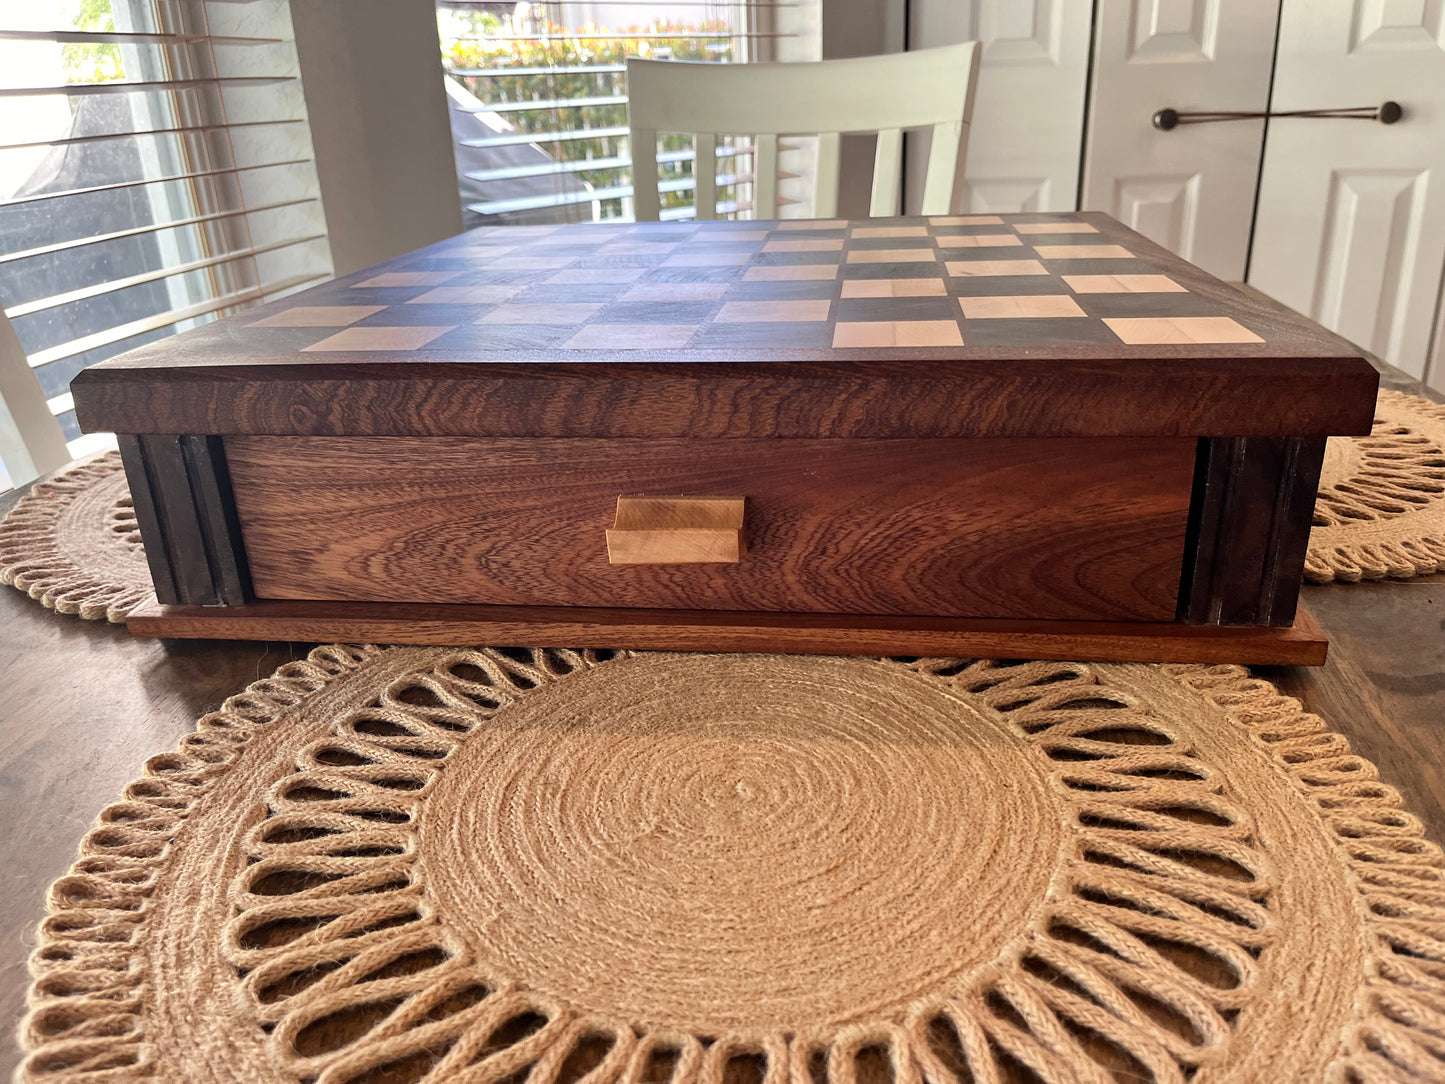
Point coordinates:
[[1028, 306], [380, 338], [319, 316], [885, 333], [540, 312], [798, 272], [993, 268], [466, 295], [748, 312], [1123, 284], [407, 278], [894, 288], [1156, 331], [980, 240], [825, 245], [892, 255], [631, 337]]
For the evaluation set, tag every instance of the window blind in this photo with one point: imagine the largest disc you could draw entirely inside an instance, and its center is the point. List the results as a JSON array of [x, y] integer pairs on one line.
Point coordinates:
[[155, 173], [539, 101]]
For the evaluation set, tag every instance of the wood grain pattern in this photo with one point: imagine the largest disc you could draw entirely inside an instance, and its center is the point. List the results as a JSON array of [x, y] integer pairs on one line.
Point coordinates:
[[698, 329], [1249, 530], [688, 630], [677, 530], [187, 518], [126, 699], [1063, 529], [1053, 396]]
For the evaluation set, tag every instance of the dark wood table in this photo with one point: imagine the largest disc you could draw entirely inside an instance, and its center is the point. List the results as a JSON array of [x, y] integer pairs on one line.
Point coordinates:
[[85, 704]]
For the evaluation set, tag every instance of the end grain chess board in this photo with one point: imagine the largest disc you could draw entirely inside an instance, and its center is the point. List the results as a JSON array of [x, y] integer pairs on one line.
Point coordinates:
[[806, 288], [1036, 419]]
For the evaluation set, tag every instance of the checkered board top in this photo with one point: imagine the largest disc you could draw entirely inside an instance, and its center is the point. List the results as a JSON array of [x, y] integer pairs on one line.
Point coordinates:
[[955, 287]]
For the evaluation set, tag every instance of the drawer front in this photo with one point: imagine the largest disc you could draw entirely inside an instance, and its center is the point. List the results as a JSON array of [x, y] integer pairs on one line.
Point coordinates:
[[1084, 529]]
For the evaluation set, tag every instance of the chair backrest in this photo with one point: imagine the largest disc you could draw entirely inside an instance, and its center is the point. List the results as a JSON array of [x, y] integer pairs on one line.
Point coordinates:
[[883, 94], [31, 441]]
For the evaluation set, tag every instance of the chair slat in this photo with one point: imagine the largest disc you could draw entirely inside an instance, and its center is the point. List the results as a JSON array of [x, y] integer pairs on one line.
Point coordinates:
[[704, 172], [825, 183], [831, 98], [646, 205], [887, 173], [943, 168], [765, 173]]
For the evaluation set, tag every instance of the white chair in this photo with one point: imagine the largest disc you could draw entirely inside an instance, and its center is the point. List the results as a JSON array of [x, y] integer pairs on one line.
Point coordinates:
[[31, 443], [883, 94]]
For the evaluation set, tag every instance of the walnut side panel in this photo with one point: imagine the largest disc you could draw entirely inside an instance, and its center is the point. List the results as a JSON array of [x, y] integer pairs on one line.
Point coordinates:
[[1056, 529]]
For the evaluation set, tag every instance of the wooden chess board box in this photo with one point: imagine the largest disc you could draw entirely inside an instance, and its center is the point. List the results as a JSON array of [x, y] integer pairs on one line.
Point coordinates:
[[1029, 434]]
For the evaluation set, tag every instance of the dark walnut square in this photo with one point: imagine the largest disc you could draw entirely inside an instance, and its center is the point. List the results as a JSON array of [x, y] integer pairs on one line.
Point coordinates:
[[1021, 434]]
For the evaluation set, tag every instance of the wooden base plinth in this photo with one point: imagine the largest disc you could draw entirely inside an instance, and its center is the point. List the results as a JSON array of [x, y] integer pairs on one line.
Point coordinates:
[[1302, 644]]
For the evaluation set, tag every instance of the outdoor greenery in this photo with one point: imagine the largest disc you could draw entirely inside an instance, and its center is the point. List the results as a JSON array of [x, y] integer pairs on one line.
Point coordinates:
[[531, 43], [90, 62]]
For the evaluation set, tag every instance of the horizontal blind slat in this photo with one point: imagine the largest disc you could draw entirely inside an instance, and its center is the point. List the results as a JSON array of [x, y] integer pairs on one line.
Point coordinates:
[[111, 286], [742, 4], [564, 199], [592, 165], [186, 89], [523, 138], [497, 73], [120, 86], [178, 130], [238, 299], [126, 37], [152, 180], [548, 103], [667, 35], [154, 227]]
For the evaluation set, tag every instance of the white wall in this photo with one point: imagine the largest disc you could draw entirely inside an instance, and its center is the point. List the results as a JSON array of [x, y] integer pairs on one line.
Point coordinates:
[[372, 73], [859, 28], [1028, 113]]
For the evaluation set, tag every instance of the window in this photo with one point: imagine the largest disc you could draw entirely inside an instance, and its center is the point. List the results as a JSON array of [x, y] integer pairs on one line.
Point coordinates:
[[155, 173], [539, 99]]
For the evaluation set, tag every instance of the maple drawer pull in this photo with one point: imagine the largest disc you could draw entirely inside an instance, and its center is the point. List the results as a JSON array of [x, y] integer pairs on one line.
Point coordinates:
[[676, 531]]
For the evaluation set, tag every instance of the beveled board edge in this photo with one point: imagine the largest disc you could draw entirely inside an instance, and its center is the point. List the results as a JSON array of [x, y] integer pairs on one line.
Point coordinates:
[[1052, 397], [1310, 383], [1302, 644]]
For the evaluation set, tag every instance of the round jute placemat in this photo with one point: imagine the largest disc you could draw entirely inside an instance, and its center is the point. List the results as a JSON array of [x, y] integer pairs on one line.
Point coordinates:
[[497, 865], [1381, 505], [73, 543]]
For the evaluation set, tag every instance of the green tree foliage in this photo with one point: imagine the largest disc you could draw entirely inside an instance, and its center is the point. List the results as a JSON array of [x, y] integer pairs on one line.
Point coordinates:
[[90, 62], [478, 42]]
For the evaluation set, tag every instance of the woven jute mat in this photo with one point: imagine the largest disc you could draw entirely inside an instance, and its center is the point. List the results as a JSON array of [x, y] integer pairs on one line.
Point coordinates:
[[73, 543], [489, 865], [1381, 505]]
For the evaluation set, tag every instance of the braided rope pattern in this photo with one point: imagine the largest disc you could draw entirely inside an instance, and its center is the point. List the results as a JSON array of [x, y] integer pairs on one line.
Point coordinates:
[[1226, 886], [91, 979], [1381, 505], [74, 544]]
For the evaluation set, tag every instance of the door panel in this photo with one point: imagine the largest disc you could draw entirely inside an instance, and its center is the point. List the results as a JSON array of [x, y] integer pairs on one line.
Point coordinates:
[[1028, 116], [1190, 189], [1351, 219]]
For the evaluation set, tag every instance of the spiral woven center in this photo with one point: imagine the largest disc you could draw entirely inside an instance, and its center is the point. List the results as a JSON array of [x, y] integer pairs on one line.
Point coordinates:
[[723, 856]]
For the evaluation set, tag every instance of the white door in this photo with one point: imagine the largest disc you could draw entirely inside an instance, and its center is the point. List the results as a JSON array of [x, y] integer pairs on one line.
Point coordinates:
[[1351, 221], [1190, 189], [1028, 113]]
